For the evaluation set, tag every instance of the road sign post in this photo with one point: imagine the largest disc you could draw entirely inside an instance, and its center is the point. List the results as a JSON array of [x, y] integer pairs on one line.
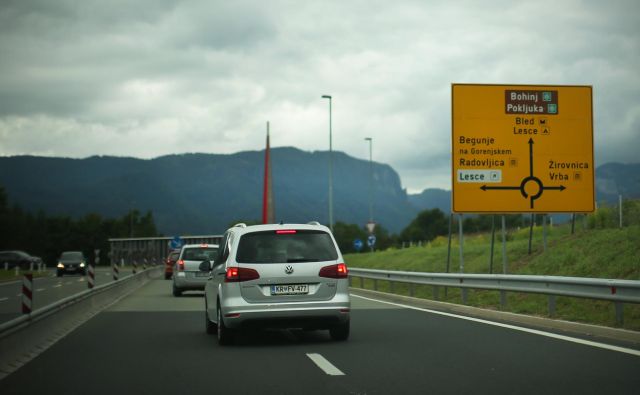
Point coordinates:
[[522, 149], [371, 241], [357, 245]]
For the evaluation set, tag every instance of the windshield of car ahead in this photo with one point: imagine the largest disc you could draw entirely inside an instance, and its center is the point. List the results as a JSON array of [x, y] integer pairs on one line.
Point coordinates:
[[200, 254], [72, 255], [286, 246]]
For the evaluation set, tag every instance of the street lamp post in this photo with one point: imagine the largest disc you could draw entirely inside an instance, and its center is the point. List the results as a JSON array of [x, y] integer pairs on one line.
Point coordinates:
[[370, 140], [330, 166]]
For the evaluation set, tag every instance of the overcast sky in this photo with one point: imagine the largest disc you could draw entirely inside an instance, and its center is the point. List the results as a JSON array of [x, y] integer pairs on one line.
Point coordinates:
[[151, 78]]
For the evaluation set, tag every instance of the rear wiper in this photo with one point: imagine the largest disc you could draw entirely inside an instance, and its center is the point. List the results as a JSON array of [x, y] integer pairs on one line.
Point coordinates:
[[294, 260]]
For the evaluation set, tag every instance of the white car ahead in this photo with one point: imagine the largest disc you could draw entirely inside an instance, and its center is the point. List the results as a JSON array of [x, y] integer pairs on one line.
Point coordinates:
[[186, 273], [277, 276]]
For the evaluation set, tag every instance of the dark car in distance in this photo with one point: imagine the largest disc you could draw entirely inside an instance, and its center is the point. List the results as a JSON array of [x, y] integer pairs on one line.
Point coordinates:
[[71, 262], [20, 259]]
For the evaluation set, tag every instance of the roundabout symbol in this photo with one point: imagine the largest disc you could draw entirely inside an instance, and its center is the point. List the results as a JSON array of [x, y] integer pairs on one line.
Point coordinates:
[[532, 184]]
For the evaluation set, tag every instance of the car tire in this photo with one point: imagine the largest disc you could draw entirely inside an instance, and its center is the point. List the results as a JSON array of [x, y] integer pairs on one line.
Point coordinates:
[[176, 291], [225, 335], [58, 274], [209, 326], [167, 276], [340, 332]]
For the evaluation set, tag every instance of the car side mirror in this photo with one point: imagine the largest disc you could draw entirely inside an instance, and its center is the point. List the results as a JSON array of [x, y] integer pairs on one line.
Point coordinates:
[[205, 266]]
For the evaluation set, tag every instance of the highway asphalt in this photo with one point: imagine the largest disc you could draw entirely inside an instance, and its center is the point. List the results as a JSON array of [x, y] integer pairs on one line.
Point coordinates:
[[47, 290], [153, 343]]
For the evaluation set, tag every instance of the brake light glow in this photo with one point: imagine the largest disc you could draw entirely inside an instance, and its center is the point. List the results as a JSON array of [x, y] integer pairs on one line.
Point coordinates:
[[334, 271], [286, 232], [240, 274], [181, 265]]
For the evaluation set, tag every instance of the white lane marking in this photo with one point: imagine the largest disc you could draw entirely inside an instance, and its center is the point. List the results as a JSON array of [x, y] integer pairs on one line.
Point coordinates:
[[516, 328], [39, 289], [325, 365], [57, 286], [3, 299]]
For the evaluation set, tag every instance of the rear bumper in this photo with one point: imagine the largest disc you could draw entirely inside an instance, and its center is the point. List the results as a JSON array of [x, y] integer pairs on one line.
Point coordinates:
[[307, 315], [188, 281]]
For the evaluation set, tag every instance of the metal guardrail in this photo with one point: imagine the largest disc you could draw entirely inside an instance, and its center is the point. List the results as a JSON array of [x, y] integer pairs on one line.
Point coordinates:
[[617, 291], [10, 326]]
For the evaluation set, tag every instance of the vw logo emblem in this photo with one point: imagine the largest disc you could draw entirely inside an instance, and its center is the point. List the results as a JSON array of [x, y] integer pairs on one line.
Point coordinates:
[[288, 269]]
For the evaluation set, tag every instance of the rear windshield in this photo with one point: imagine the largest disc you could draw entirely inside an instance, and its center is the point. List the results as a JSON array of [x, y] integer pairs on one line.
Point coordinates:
[[272, 247], [72, 255], [200, 254]]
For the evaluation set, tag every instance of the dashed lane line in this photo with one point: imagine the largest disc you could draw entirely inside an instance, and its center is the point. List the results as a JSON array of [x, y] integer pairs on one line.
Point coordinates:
[[325, 365], [3, 299]]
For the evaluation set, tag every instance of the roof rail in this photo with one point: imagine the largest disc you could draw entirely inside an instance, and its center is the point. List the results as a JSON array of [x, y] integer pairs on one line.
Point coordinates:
[[313, 223], [240, 225]]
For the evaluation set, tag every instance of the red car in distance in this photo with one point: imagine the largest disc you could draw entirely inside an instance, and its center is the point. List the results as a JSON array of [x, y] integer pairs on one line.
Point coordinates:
[[169, 263]]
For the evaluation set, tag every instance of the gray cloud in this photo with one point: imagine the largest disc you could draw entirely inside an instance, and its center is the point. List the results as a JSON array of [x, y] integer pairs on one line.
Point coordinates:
[[149, 78]]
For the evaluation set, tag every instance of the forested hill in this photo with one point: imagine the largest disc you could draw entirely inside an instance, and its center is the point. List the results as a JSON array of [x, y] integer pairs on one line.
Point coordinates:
[[204, 193]]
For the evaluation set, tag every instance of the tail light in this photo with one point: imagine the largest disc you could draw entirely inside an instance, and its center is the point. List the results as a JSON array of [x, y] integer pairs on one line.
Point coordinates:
[[181, 265], [334, 271], [240, 274]]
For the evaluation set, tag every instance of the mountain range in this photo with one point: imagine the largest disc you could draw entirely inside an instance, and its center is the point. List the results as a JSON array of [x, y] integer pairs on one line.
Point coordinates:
[[206, 193]]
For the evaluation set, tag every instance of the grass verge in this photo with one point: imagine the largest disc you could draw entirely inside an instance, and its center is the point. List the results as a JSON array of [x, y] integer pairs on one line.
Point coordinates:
[[597, 253]]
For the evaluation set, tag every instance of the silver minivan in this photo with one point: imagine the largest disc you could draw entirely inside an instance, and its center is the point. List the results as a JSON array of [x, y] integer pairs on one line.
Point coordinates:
[[277, 276], [186, 273]]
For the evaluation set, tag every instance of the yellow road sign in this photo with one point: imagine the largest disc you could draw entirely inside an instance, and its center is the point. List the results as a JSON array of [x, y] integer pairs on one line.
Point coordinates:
[[522, 149]]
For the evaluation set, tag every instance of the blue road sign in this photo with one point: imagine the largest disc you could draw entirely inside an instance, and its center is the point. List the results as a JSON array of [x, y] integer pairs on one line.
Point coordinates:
[[176, 242], [357, 244], [371, 240]]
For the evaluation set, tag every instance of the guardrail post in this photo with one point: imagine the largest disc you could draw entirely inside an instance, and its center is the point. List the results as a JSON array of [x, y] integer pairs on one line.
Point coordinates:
[[91, 276], [17, 270], [411, 289], [115, 271], [552, 305], [619, 313], [134, 266], [436, 292], [27, 293], [464, 295], [503, 300], [375, 284], [6, 266], [362, 282]]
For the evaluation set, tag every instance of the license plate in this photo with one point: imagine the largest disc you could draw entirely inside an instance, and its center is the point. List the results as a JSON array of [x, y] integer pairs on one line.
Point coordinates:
[[202, 274], [290, 289]]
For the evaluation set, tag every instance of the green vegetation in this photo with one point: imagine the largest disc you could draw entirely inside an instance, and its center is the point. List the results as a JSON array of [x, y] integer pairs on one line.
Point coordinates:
[[596, 249]]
